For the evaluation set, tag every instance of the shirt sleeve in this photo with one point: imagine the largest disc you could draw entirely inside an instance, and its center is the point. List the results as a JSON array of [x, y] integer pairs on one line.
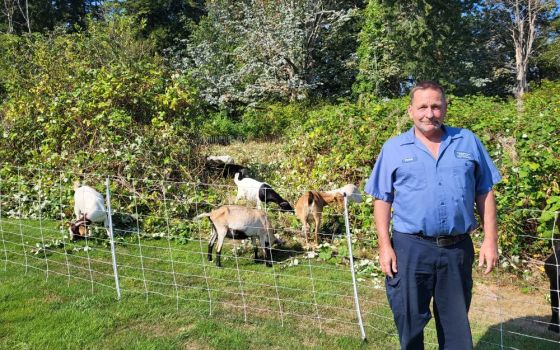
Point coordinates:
[[487, 175], [380, 183]]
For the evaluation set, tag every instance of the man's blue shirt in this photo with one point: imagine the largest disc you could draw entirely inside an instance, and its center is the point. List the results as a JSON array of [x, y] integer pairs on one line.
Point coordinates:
[[433, 196]]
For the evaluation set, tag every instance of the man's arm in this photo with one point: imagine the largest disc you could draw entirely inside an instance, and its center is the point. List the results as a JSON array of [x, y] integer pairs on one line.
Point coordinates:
[[387, 257], [486, 207]]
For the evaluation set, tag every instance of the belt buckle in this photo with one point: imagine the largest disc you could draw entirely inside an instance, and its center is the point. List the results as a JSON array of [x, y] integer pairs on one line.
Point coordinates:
[[442, 241]]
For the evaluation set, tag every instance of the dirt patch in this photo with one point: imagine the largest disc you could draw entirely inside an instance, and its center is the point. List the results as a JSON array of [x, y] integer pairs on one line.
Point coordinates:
[[509, 305]]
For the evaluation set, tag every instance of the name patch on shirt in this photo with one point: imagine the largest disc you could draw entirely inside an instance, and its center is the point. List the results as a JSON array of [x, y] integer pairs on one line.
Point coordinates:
[[409, 159], [463, 155]]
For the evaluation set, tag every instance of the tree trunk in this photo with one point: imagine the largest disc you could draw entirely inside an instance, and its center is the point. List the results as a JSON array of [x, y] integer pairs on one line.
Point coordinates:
[[523, 31], [9, 13]]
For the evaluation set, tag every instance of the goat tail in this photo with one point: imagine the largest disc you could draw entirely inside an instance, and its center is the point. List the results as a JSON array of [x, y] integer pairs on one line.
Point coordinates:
[[310, 198], [203, 215], [236, 178]]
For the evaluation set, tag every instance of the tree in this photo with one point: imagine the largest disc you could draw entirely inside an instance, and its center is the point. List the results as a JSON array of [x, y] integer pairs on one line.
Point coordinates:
[[527, 19], [548, 59], [21, 16], [404, 41], [248, 51], [165, 19], [14, 10]]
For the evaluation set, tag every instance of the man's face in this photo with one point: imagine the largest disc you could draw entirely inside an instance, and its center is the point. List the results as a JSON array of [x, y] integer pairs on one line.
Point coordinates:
[[427, 111]]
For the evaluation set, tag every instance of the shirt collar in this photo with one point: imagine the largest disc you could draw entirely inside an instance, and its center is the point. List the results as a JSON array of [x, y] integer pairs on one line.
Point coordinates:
[[448, 135]]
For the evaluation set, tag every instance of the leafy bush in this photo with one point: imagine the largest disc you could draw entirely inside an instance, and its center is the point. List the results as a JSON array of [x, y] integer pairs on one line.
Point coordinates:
[[93, 102]]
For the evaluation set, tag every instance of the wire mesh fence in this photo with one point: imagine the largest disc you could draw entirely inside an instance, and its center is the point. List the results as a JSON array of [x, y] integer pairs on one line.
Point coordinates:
[[155, 248]]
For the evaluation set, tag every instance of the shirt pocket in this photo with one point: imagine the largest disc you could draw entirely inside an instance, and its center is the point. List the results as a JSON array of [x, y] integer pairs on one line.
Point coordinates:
[[411, 177], [463, 175]]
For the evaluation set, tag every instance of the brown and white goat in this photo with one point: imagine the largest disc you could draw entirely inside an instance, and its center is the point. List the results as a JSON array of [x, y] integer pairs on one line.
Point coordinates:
[[239, 222], [312, 203]]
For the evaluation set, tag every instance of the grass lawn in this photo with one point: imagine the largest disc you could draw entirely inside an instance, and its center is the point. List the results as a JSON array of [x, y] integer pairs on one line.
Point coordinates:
[[64, 297]]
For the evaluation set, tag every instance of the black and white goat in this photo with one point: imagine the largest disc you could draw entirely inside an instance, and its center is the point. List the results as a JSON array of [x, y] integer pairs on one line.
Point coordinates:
[[552, 270], [259, 192], [89, 207], [224, 165], [239, 222]]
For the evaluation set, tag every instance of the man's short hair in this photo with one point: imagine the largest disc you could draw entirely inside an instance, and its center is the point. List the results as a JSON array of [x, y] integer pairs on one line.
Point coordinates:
[[427, 84]]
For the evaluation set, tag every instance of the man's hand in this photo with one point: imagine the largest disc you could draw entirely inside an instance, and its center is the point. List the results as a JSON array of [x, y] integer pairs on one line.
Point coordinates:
[[388, 261], [488, 255], [486, 206]]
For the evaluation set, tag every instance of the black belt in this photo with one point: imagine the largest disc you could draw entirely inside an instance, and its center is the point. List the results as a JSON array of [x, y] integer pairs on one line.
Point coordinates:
[[446, 240], [440, 241]]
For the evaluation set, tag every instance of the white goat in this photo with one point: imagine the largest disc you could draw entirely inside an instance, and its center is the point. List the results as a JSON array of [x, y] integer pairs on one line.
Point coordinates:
[[89, 207], [352, 193], [238, 222], [259, 192]]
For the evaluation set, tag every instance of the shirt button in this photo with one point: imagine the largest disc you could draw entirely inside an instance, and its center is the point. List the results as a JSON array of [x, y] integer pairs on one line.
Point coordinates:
[[439, 183], [442, 203]]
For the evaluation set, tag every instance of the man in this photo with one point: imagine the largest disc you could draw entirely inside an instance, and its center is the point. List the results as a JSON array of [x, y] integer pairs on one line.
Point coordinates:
[[431, 177]]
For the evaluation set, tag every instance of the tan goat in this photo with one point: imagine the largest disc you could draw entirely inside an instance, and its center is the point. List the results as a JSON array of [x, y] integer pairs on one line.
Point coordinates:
[[239, 222], [310, 204]]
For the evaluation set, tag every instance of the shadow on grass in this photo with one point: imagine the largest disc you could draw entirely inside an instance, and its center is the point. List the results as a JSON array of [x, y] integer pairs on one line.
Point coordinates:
[[283, 253], [529, 332]]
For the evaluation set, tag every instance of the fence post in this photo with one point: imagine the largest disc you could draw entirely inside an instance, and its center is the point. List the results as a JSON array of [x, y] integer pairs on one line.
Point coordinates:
[[111, 238], [351, 256], [556, 261]]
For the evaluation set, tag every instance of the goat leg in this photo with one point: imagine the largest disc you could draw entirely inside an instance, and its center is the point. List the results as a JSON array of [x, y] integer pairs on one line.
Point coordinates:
[[221, 237], [268, 254], [211, 244], [255, 250], [317, 217]]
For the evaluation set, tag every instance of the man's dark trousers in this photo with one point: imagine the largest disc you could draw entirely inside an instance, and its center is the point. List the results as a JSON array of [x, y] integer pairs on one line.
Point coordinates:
[[426, 270]]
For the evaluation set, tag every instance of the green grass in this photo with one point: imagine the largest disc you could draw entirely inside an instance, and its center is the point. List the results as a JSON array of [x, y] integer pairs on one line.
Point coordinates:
[[166, 305]]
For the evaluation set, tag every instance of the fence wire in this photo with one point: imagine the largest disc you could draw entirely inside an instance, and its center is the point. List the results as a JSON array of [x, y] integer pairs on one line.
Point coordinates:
[[159, 250]]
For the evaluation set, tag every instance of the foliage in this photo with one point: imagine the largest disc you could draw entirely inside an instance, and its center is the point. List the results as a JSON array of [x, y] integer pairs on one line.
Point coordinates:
[[165, 19], [548, 61], [527, 21], [91, 101], [248, 51], [76, 105], [465, 45], [413, 40], [45, 15], [337, 143]]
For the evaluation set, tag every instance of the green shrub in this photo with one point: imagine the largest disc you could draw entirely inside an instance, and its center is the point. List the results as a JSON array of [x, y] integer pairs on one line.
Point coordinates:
[[93, 102]]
